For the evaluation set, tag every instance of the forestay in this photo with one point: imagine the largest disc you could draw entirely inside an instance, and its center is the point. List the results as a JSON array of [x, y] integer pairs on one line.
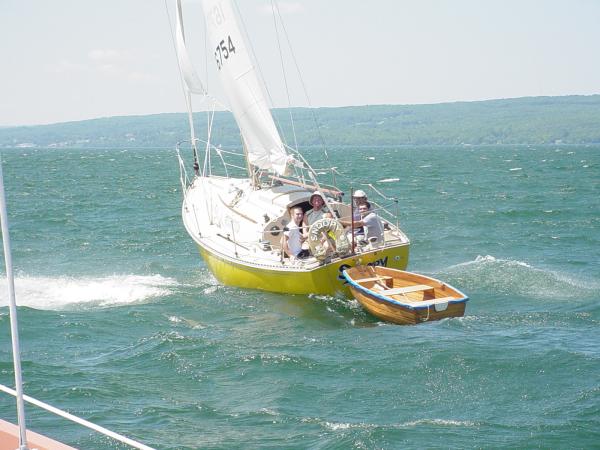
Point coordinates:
[[243, 89]]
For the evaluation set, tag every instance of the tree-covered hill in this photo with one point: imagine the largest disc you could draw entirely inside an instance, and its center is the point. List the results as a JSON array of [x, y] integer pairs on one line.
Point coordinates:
[[529, 120]]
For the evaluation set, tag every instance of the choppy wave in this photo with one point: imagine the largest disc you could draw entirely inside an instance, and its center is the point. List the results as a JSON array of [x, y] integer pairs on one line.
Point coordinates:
[[335, 426], [55, 293], [507, 276]]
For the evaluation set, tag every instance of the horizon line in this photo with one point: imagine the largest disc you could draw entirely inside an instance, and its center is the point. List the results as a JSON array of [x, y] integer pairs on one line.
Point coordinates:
[[305, 107]]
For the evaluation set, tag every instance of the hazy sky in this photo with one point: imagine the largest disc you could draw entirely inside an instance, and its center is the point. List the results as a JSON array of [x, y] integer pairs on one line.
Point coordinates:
[[64, 60]]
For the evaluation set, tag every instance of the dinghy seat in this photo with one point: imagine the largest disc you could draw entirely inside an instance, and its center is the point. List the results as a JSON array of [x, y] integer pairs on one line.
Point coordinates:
[[379, 278], [408, 289]]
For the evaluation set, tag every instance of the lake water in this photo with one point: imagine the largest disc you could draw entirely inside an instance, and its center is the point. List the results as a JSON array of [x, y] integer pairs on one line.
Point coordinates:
[[122, 324]]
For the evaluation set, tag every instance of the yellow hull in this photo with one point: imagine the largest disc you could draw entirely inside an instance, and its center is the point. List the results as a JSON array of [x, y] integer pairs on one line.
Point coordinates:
[[325, 280]]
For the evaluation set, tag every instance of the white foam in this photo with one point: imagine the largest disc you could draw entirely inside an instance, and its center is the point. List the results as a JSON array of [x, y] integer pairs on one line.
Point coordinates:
[[183, 321], [175, 319], [345, 426], [489, 259], [210, 290], [336, 426], [56, 293], [441, 422], [389, 180]]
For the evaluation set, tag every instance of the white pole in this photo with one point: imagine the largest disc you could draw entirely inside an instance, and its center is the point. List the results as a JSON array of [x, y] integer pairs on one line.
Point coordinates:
[[14, 329]]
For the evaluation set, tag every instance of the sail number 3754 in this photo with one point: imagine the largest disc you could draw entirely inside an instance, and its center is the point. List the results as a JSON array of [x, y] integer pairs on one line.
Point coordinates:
[[224, 51]]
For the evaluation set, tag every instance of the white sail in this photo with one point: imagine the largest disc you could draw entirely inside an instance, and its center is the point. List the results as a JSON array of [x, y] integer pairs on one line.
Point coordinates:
[[243, 89], [192, 80]]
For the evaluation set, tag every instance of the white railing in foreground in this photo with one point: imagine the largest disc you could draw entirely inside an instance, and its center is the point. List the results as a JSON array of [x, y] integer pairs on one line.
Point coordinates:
[[12, 307], [78, 420]]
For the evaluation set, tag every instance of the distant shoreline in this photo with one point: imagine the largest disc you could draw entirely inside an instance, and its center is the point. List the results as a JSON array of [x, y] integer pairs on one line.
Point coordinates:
[[330, 147], [566, 120]]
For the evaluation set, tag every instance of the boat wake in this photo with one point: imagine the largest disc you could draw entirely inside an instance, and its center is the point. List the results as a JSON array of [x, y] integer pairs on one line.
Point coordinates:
[[513, 277], [58, 293]]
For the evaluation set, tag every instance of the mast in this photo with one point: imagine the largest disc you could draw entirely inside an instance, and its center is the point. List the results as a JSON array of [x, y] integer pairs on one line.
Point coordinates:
[[188, 95], [190, 80], [14, 329]]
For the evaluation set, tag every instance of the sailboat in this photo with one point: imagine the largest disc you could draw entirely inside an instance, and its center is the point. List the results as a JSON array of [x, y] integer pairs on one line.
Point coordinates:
[[238, 213]]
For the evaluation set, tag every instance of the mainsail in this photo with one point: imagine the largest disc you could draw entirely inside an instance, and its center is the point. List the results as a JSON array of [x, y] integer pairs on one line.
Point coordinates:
[[243, 89]]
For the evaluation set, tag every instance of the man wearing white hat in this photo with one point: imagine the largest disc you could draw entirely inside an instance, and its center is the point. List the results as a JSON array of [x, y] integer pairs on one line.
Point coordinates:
[[360, 198], [359, 194]]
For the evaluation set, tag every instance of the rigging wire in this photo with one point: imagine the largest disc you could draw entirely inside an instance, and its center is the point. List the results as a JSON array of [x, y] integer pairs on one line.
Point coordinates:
[[287, 90], [210, 115], [378, 191], [314, 116]]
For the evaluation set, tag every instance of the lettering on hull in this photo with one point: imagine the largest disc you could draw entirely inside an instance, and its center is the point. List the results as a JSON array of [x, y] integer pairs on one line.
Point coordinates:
[[380, 262]]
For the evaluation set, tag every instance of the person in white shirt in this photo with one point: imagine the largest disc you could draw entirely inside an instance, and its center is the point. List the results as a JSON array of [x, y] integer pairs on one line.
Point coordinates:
[[291, 241], [370, 221], [318, 211]]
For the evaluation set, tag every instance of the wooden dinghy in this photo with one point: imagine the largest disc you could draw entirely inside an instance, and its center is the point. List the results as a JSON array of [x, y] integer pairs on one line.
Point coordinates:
[[404, 297]]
